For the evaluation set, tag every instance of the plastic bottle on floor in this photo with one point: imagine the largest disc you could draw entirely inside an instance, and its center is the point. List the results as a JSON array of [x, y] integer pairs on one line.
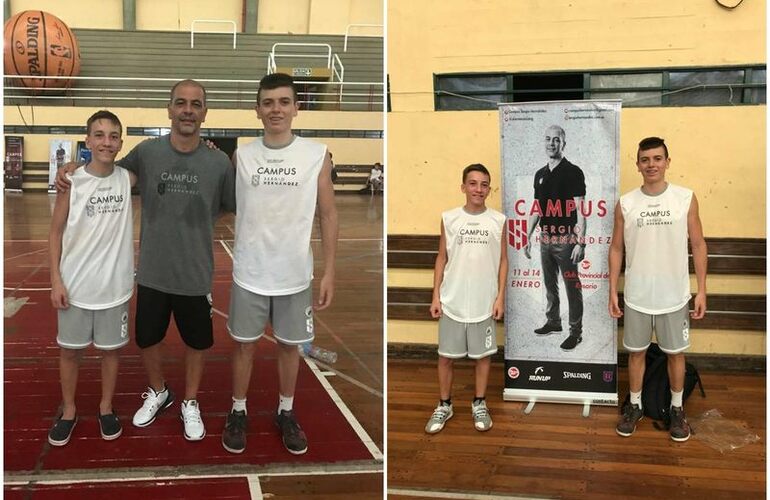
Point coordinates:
[[313, 351]]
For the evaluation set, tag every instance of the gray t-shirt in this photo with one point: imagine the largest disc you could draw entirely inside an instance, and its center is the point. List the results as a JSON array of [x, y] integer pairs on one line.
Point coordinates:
[[182, 195]]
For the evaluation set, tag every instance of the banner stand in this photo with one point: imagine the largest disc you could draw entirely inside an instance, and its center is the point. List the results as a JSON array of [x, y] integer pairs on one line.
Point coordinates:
[[560, 177]]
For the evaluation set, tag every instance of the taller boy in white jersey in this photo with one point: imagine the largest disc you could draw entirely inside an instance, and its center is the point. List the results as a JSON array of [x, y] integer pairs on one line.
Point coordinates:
[[281, 179], [468, 293], [652, 224], [92, 271]]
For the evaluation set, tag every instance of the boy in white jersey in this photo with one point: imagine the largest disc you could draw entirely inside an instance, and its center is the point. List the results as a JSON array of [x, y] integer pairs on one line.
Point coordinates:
[[280, 181], [652, 225], [92, 267], [468, 293]]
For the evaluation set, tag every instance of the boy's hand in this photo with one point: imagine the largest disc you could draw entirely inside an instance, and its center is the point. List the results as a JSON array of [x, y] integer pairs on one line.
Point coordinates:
[[61, 182], [325, 293], [614, 308], [699, 306], [435, 309], [59, 296], [499, 308]]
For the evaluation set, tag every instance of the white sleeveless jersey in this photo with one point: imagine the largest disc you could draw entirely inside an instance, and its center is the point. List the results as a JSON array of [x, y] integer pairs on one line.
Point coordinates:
[[657, 277], [276, 191], [97, 260], [469, 287]]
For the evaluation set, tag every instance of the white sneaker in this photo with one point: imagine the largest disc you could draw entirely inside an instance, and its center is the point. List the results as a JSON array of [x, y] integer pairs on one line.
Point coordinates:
[[193, 425], [154, 403], [441, 414], [482, 421]]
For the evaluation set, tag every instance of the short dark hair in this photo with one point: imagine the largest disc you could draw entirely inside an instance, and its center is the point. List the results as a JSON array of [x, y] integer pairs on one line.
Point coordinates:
[[187, 82], [475, 167], [274, 81], [651, 143], [103, 115]]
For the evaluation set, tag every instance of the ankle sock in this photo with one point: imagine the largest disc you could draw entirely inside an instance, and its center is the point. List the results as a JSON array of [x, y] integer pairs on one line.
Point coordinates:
[[239, 404], [636, 398], [446, 402], [676, 398], [285, 403], [477, 400]]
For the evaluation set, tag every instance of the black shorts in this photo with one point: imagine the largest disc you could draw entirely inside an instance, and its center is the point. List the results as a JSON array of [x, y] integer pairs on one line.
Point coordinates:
[[192, 315]]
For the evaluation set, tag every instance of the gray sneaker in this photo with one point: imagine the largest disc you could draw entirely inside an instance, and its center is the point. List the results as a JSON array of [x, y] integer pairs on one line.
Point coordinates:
[[441, 414], [628, 419], [680, 429], [482, 420]]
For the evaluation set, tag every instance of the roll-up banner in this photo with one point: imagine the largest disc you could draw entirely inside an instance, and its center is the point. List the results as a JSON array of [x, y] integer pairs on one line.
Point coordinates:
[[60, 152], [13, 163], [560, 166]]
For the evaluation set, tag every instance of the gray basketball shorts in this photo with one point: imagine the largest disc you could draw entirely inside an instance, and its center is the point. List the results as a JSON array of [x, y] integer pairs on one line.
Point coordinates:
[[290, 315], [107, 329], [672, 330], [457, 339]]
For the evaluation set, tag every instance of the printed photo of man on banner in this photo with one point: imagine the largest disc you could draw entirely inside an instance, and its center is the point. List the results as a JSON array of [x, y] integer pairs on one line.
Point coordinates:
[[560, 164], [60, 152]]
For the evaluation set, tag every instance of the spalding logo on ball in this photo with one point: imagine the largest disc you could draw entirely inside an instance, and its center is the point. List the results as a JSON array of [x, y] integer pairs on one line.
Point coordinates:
[[40, 44]]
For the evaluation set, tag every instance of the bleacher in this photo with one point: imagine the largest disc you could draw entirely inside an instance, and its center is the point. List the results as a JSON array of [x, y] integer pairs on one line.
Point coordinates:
[[118, 60]]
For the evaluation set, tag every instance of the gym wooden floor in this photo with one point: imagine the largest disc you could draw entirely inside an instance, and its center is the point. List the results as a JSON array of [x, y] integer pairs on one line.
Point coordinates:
[[341, 462], [556, 453]]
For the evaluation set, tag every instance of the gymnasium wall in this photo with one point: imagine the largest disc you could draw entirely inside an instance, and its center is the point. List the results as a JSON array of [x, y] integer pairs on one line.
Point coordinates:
[[273, 16], [346, 151], [718, 151]]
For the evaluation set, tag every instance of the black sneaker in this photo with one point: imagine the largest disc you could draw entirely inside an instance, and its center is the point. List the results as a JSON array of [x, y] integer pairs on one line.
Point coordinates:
[[110, 427], [548, 328], [293, 437], [61, 432], [627, 423], [571, 342], [234, 435], [680, 429]]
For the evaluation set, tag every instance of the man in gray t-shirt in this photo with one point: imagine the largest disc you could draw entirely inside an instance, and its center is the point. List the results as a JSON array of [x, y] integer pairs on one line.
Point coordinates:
[[184, 186]]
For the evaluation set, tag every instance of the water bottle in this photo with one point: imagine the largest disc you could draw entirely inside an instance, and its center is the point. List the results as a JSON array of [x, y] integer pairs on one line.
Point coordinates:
[[313, 351]]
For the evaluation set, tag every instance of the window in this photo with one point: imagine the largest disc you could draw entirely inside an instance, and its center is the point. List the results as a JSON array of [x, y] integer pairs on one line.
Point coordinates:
[[463, 92], [638, 88]]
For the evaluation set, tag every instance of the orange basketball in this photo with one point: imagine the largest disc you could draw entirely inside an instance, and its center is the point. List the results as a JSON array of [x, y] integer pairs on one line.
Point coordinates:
[[40, 44]]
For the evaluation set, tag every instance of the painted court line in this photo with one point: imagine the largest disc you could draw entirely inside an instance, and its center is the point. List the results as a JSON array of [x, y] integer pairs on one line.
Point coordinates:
[[446, 494], [119, 476], [359, 430], [255, 489]]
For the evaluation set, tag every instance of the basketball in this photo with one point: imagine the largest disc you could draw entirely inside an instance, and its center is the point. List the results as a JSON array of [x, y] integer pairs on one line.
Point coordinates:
[[40, 44]]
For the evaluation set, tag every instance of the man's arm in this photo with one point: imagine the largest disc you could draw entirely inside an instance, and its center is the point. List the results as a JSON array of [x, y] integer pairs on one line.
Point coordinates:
[[581, 225], [438, 274], [329, 232], [502, 279], [617, 247], [58, 221], [699, 257]]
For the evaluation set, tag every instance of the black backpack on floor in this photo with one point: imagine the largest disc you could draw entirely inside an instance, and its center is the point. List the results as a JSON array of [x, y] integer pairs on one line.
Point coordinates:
[[656, 390]]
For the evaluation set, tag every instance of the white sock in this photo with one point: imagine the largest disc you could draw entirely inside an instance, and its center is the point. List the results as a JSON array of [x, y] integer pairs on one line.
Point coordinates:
[[239, 404], [636, 398], [676, 398], [285, 403]]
